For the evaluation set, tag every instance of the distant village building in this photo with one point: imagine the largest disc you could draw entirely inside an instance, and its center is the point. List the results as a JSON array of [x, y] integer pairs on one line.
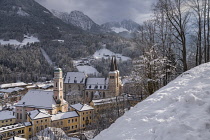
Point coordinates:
[[41, 109], [80, 88]]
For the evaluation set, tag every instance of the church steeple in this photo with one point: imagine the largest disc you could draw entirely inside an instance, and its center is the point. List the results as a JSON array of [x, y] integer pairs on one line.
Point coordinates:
[[113, 66]]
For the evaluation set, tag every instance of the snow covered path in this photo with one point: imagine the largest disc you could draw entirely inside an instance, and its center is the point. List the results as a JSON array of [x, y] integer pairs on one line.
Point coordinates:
[[178, 111], [46, 57]]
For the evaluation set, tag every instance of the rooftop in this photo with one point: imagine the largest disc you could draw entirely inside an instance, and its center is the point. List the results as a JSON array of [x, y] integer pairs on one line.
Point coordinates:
[[11, 127], [81, 107], [75, 77], [10, 90], [6, 115], [19, 84], [38, 114], [42, 99], [64, 115], [97, 83]]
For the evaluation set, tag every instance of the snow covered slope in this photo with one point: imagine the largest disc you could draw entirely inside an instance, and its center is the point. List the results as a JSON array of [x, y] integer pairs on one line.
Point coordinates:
[[105, 53], [178, 111], [125, 25]]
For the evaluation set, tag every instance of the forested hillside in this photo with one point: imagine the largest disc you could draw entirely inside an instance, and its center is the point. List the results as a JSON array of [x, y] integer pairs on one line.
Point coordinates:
[[19, 17]]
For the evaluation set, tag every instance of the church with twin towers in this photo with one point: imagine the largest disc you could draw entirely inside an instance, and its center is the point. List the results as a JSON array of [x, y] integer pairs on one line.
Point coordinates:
[[79, 88]]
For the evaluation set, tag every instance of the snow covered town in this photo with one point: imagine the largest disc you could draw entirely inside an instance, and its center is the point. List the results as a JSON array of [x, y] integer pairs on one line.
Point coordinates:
[[72, 104]]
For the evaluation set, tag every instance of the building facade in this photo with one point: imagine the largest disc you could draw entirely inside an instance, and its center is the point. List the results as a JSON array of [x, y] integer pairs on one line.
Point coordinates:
[[82, 89]]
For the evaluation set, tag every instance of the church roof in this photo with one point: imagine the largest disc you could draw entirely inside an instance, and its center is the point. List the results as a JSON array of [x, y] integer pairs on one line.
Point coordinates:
[[75, 77], [97, 83], [42, 99]]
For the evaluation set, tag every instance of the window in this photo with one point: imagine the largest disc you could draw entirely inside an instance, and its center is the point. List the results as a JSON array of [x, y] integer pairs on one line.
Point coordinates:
[[37, 122], [72, 127], [17, 115], [83, 118], [61, 122], [75, 126], [68, 121], [6, 120], [37, 128], [75, 120], [46, 120], [22, 131], [29, 129], [72, 120], [45, 126], [56, 84], [20, 116], [41, 121], [90, 112], [90, 117]]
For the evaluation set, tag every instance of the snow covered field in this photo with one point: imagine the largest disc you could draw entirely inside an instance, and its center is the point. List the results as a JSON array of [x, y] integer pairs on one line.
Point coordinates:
[[118, 30], [87, 70], [26, 40], [105, 53], [178, 111]]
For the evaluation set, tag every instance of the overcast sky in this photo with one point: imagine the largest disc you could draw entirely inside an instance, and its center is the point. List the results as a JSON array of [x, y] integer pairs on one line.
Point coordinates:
[[102, 11]]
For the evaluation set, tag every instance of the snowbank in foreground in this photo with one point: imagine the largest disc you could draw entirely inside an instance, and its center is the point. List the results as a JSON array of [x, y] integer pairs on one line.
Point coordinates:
[[178, 111]]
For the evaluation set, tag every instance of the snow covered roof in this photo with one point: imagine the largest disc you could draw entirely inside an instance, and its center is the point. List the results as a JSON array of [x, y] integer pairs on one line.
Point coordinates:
[[6, 115], [19, 84], [178, 111], [81, 107], [109, 100], [64, 115], [97, 83], [42, 99], [10, 90], [11, 127], [75, 77], [38, 114]]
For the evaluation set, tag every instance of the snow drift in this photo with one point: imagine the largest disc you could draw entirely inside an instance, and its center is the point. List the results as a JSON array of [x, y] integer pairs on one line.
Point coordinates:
[[178, 111]]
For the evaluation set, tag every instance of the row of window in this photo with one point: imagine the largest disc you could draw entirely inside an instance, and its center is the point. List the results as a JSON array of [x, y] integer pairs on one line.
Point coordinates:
[[6, 121], [86, 118], [72, 120], [41, 121]]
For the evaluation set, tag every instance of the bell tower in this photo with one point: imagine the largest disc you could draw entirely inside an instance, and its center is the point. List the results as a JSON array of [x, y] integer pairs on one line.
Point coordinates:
[[58, 86], [114, 80]]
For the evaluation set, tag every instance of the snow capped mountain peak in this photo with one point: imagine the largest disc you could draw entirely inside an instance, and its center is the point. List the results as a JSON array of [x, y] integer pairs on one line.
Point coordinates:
[[178, 111], [125, 25], [77, 18]]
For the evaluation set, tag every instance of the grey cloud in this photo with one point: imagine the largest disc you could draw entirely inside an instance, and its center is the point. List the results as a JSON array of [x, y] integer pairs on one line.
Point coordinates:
[[102, 11]]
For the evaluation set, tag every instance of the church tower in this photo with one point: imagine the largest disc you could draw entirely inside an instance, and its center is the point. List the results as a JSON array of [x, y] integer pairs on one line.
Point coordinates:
[[58, 85], [114, 78], [58, 90]]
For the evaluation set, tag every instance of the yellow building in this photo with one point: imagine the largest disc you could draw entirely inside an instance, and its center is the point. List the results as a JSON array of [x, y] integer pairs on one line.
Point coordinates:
[[68, 121], [52, 101], [7, 118], [21, 130], [40, 120], [86, 114]]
